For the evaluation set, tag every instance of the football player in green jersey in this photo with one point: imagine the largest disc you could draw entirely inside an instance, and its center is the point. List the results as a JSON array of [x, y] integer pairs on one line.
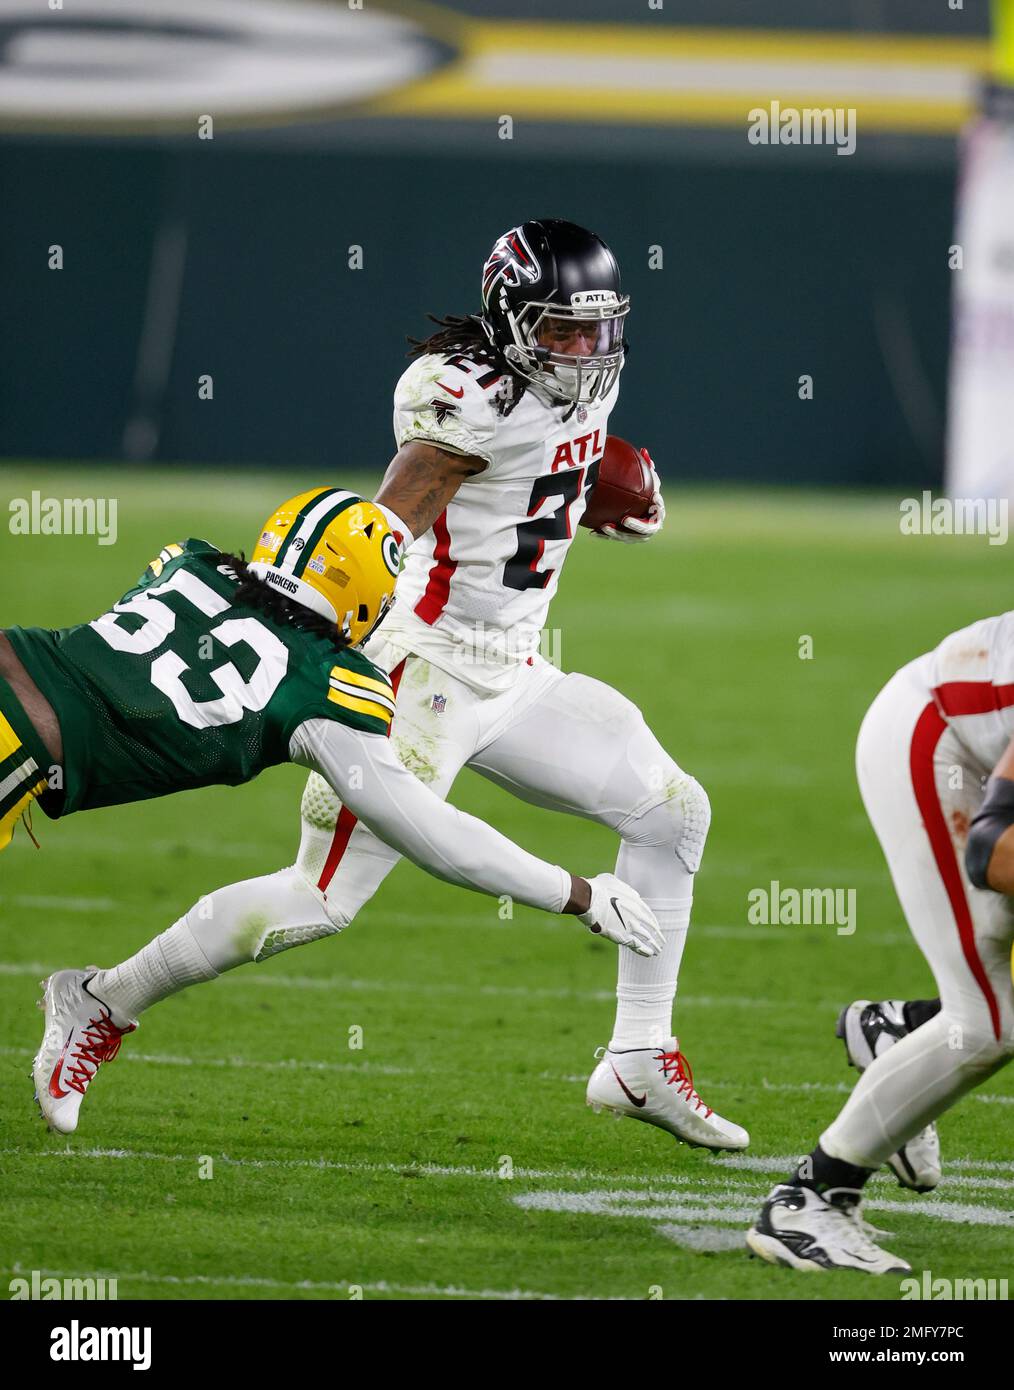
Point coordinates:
[[209, 670]]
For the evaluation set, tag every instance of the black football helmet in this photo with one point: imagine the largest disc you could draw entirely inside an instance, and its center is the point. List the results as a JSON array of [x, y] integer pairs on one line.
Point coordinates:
[[552, 307]]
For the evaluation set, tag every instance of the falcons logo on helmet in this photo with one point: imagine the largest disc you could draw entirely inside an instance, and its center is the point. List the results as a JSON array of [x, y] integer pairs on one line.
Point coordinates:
[[510, 261]]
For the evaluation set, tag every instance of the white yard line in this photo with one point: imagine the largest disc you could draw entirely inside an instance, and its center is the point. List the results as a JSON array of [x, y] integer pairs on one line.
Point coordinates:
[[702, 1207], [760, 1163], [56, 903], [335, 984], [713, 1178], [295, 1064], [251, 1281]]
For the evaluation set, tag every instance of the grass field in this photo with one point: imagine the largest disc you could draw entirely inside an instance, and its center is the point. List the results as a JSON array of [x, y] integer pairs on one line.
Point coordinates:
[[380, 1167]]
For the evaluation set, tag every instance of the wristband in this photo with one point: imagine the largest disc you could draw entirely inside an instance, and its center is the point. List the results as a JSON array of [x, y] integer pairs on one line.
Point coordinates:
[[990, 821]]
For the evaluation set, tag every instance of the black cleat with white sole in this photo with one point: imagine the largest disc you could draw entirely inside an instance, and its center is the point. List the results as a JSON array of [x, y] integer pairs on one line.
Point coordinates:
[[799, 1228]]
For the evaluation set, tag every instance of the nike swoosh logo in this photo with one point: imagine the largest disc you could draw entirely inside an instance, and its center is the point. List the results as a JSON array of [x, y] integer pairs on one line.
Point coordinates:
[[451, 391], [54, 1080], [634, 1100], [615, 906]]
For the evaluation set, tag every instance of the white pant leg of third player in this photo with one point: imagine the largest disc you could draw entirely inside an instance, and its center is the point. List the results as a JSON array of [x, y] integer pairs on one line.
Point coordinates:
[[921, 788], [584, 749]]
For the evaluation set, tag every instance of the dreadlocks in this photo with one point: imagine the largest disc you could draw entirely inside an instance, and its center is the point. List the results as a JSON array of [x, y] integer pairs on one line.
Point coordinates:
[[464, 334], [254, 592]]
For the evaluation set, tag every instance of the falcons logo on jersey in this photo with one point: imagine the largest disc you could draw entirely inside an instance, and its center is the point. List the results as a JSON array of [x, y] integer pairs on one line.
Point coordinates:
[[442, 408], [510, 261]]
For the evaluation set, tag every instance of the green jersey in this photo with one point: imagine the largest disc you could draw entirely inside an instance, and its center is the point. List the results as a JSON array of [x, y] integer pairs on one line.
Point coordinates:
[[180, 686]]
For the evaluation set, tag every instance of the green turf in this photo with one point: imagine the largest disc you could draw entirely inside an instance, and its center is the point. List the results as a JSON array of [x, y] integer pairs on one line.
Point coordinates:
[[379, 1167]]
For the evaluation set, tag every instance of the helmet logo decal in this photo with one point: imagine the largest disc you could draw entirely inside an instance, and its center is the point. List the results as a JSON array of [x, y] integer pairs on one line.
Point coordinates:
[[391, 552], [510, 261], [582, 299]]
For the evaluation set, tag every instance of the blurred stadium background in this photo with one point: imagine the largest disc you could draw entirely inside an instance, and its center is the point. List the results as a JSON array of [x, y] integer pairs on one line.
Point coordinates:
[[185, 257], [336, 127]]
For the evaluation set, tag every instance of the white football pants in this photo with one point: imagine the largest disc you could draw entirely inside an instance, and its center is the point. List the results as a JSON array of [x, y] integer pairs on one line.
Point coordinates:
[[562, 741], [921, 789]]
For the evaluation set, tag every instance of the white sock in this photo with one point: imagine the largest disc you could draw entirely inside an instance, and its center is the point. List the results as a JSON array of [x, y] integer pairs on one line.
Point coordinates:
[[243, 922], [646, 986], [168, 964]]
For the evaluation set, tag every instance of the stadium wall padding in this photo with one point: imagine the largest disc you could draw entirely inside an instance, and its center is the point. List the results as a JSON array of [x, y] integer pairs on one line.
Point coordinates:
[[795, 263]]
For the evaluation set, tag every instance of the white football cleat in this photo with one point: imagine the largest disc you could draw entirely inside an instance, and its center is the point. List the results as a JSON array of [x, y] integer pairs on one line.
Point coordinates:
[[656, 1085], [80, 1035], [868, 1030], [800, 1228]]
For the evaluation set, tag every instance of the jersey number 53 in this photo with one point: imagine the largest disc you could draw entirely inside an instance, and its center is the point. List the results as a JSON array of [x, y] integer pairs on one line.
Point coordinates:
[[158, 622]]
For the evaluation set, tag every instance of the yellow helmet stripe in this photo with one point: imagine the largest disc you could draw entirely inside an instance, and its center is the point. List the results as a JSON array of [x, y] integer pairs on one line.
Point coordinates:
[[350, 500], [283, 560], [316, 519]]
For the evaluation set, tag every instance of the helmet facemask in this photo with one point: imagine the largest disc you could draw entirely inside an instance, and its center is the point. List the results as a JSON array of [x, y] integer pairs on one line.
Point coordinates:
[[593, 319]]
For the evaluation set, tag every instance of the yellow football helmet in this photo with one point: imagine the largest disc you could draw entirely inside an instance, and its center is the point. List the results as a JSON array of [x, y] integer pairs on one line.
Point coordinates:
[[333, 552]]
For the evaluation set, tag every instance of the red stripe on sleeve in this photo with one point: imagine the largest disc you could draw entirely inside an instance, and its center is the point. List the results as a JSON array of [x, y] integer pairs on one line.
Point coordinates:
[[438, 586]]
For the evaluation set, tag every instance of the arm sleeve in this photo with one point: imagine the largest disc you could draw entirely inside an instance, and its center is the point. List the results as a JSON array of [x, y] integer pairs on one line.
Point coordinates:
[[405, 814]]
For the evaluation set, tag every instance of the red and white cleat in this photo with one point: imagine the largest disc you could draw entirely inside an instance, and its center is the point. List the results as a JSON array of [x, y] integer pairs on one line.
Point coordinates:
[[656, 1085], [80, 1035]]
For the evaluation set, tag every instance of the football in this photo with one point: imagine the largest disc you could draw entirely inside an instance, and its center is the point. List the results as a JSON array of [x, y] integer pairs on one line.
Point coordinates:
[[624, 486]]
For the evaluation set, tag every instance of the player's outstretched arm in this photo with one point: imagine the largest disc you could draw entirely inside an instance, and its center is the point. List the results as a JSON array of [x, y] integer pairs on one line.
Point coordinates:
[[420, 481], [989, 854], [457, 847]]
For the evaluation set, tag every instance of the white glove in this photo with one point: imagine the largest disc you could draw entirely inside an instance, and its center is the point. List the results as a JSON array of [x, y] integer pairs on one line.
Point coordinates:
[[620, 913], [636, 529]]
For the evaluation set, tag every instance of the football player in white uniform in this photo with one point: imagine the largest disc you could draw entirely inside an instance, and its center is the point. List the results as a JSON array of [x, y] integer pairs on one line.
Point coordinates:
[[500, 421], [935, 762]]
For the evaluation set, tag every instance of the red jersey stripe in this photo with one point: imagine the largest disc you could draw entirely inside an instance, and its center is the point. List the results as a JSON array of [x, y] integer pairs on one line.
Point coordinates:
[[955, 698], [928, 729], [438, 586]]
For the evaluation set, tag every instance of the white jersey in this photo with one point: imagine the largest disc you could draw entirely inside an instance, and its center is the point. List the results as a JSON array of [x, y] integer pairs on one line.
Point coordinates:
[[484, 576], [971, 677]]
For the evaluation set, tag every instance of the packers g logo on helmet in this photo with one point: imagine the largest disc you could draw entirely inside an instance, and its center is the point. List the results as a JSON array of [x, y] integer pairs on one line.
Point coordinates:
[[333, 552]]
